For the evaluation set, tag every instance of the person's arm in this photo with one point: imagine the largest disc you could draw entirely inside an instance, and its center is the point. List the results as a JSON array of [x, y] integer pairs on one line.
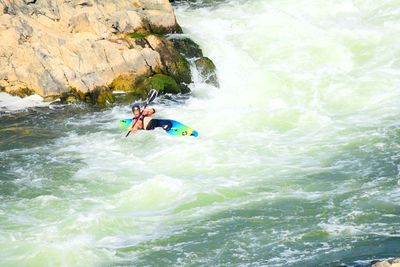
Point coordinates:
[[136, 127], [149, 111]]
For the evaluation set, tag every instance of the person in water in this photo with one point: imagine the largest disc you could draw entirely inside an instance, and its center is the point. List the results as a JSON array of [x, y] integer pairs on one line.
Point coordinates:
[[145, 121]]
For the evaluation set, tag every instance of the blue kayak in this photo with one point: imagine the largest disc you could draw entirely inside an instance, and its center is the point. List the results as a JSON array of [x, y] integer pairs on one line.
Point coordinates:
[[172, 127]]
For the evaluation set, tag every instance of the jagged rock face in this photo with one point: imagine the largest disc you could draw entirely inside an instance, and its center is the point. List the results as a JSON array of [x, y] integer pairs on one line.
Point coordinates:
[[50, 46]]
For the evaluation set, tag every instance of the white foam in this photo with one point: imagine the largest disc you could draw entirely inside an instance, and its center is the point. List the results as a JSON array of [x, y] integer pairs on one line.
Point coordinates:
[[283, 122], [15, 103], [336, 229], [152, 195]]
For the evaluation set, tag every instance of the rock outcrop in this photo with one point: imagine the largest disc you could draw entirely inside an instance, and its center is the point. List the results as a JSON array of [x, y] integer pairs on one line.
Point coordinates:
[[204, 65], [387, 263], [76, 47]]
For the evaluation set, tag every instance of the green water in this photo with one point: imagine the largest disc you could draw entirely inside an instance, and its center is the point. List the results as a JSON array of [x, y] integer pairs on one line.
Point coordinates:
[[297, 162]]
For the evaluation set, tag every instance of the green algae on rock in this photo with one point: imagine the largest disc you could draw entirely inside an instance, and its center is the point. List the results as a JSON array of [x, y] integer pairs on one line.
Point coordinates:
[[21, 92], [138, 87], [138, 35], [207, 70], [101, 96], [163, 84], [173, 63], [187, 47], [124, 82]]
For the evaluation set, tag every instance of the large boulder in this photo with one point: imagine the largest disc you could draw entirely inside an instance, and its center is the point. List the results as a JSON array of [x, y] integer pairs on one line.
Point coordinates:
[[84, 49], [207, 70], [51, 46], [173, 63], [187, 47]]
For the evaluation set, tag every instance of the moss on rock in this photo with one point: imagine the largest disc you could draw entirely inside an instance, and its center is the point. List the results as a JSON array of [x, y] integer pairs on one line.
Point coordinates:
[[187, 47], [138, 35], [72, 95], [180, 70], [79, 95], [165, 30], [101, 96], [21, 92], [163, 84], [131, 84], [184, 88], [71, 99], [173, 63], [207, 70], [135, 88], [125, 82]]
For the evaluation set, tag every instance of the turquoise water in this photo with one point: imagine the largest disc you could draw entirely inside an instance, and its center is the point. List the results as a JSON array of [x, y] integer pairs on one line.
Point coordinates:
[[297, 162]]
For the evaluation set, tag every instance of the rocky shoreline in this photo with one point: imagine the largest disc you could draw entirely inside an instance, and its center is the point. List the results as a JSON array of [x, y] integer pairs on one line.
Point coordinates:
[[386, 263], [83, 50]]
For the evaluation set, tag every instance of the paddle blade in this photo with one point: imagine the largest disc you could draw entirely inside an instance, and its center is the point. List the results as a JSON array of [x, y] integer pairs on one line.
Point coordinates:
[[152, 95]]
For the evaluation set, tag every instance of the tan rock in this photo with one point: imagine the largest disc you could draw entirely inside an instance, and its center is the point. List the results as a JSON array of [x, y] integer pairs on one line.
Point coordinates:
[[9, 34], [154, 41], [129, 21], [162, 5], [160, 21], [152, 59], [4, 84], [135, 59], [77, 44], [80, 23], [387, 263]]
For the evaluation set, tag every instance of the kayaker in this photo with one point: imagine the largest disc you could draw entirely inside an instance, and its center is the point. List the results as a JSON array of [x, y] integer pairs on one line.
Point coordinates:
[[146, 122], [144, 119]]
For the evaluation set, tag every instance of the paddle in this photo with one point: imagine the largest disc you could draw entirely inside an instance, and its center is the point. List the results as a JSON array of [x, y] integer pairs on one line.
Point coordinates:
[[150, 97]]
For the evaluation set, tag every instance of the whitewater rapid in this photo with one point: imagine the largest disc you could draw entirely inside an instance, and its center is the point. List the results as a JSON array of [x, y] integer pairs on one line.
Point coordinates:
[[296, 163]]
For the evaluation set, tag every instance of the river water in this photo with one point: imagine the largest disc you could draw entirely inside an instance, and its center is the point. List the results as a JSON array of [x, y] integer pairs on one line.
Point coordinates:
[[297, 162]]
